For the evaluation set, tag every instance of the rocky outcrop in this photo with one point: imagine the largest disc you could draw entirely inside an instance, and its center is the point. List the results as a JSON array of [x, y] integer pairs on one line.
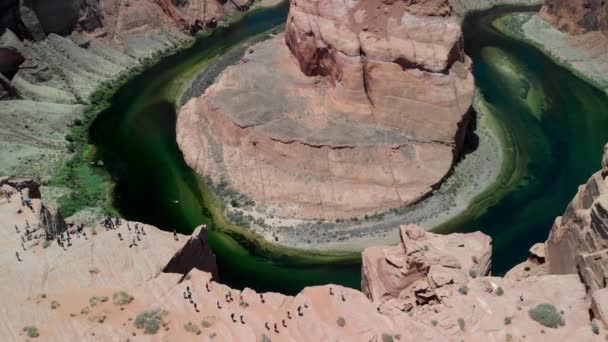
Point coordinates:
[[195, 254], [444, 280], [424, 268], [95, 285], [576, 16], [578, 241], [363, 109]]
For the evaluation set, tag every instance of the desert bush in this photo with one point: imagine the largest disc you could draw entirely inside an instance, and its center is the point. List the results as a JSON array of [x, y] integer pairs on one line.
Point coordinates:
[[508, 320], [265, 338], [463, 290], [93, 301], [46, 244], [387, 337], [595, 328], [341, 321], [547, 315], [31, 331], [473, 274], [150, 320], [121, 298], [434, 322], [94, 270], [475, 260], [207, 322], [461, 323], [55, 305], [193, 328], [499, 291]]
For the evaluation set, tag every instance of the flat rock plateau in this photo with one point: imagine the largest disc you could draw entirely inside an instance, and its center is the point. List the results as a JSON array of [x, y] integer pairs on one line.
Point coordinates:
[[356, 109]]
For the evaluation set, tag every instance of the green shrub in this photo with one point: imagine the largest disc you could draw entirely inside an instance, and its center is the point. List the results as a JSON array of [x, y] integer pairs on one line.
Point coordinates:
[[193, 328], [547, 315], [341, 321], [207, 322], [500, 291], [121, 298], [46, 244], [31, 331], [461, 323], [463, 290], [93, 301], [387, 337], [150, 320], [595, 328]]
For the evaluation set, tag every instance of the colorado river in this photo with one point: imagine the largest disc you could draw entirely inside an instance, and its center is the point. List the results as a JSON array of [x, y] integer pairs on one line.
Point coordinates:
[[554, 125]]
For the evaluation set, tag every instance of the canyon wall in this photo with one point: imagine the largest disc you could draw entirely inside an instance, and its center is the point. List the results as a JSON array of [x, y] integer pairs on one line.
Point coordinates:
[[358, 108], [105, 283], [578, 16]]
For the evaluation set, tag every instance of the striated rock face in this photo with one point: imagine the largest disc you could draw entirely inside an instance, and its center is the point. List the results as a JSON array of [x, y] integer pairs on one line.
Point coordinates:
[[578, 241], [363, 108], [576, 16]]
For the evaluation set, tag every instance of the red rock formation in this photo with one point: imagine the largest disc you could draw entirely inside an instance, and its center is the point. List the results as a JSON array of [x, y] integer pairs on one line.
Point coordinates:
[[578, 241], [422, 269], [195, 254], [576, 16], [364, 112]]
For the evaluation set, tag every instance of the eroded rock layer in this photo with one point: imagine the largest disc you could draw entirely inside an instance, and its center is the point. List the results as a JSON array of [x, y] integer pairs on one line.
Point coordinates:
[[103, 284], [360, 107], [576, 16]]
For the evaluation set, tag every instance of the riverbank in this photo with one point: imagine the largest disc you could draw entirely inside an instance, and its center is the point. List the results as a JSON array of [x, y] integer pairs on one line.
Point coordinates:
[[76, 181], [585, 55]]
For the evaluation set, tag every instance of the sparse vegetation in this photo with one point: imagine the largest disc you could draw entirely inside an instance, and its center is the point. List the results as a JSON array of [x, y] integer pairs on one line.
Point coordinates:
[[122, 298], [341, 321], [463, 290], [461, 323], [150, 320], [547, 315], [499, 291], [509, 337], [473, 274], [265, 338], [46, 244], [207, 322], [595, 327], [508, 320], [94, 270], [93, 301], [85, 310], [434, 322], [31, 331], [387, 337], [99, 318], [192, 328], [475, 260], [55, 305]]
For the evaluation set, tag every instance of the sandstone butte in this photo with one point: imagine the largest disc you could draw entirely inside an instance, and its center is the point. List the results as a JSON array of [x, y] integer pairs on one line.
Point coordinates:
[[359, 107], [429, 287]]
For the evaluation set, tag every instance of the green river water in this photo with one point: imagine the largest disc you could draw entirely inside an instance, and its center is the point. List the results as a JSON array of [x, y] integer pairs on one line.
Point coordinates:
[[554, 126]]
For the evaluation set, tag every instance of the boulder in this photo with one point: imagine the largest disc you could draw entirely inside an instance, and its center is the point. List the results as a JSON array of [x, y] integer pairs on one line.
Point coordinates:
[[195, 254], [429, 266]]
